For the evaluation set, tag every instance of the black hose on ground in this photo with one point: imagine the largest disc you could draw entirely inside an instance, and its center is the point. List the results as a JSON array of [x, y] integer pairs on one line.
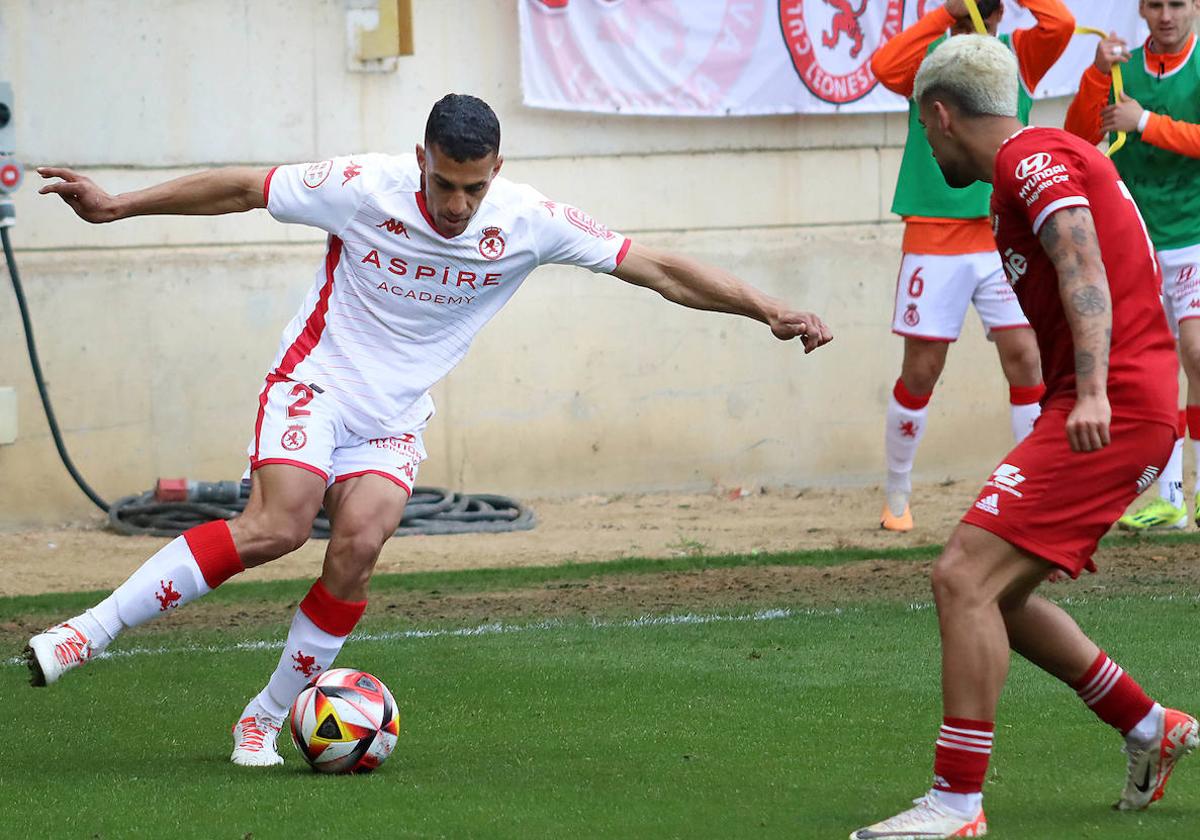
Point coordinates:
[[430, 511]]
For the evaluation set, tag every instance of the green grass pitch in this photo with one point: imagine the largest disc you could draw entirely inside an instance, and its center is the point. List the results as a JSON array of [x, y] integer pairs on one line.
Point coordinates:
[[788, 723]]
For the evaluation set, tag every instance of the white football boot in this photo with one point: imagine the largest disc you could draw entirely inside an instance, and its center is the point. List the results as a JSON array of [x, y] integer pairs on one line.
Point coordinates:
[[1149, 768], [928, 819], [254, 739], [53, 652]]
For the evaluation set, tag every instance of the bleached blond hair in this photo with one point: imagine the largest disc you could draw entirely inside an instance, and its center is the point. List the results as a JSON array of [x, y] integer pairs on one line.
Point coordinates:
[[978, 73]]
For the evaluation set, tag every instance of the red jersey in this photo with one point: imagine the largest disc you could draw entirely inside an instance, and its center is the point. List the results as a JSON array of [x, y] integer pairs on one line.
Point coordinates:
[[1038, 172]]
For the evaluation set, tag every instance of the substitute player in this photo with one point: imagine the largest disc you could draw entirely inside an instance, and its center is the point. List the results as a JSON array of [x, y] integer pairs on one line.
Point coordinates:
[[1160, 162], [422, 252], [1081, 263], [950, 257]]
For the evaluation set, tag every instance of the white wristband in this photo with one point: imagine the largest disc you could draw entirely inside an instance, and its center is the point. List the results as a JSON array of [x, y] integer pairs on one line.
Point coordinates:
[[1143, 122]]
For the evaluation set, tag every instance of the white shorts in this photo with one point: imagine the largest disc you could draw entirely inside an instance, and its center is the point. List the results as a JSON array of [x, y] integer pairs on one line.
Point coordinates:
[[933, 290], [301, 426], [1181, 284]]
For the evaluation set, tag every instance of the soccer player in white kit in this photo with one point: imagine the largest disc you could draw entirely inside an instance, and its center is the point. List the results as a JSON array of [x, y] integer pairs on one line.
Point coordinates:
[[422, 251]]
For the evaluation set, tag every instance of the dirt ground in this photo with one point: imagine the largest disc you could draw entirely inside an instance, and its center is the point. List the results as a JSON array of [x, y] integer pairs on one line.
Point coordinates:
[[84, 556]]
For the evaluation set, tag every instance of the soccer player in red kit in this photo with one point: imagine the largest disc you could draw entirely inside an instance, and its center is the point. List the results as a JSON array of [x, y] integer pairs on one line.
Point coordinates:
[[1078, 256]]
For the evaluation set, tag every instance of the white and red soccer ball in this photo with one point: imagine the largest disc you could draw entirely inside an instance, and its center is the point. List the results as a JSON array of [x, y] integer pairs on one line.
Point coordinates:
[[345, 721]]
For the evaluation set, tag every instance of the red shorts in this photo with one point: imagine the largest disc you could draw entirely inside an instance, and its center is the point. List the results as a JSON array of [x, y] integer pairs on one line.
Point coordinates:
[[1057, 504]]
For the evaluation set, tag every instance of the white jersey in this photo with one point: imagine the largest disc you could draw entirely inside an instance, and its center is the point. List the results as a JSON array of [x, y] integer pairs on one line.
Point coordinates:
[[396, 304]]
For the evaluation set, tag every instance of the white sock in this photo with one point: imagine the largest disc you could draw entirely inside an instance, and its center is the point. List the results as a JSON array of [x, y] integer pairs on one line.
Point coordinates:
[[1196, 464], [308, 652], [1170, 483], [169, 579], [905, 427], [1023, 418], [965, 805], [1146, 731]]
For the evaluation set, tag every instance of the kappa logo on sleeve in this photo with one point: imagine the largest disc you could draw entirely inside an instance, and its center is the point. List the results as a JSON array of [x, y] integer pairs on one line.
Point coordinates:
[[586, 223], [316, 173]]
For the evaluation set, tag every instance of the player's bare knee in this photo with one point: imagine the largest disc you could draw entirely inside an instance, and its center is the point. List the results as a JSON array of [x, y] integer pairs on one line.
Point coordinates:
[[953, 578], [261, 537]]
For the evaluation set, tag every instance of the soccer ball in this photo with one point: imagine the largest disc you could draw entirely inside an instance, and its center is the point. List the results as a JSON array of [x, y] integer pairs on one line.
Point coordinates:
[[345, 721]]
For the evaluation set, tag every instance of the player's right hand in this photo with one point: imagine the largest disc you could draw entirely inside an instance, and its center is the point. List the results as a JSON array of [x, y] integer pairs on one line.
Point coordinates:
[[1088, 424], [81, 194], [1112, 50]]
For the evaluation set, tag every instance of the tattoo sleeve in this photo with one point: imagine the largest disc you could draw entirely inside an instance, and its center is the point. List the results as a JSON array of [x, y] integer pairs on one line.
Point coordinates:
[[1069, 239]]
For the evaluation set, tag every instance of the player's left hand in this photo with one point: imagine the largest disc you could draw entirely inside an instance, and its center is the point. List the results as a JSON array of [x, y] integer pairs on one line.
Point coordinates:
[[806, 326], [1121, 116], [1088, 424]]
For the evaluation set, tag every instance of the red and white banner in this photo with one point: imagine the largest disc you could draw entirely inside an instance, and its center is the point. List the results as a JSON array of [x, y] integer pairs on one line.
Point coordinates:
[[719, 58]]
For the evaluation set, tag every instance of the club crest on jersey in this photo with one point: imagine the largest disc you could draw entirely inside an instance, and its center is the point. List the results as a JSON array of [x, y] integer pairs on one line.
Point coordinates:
[[352, 170], [828, 41], [294, 438], [491, 243], [316, 173]]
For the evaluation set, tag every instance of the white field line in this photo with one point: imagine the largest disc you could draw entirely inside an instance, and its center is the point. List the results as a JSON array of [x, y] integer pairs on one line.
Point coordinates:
[[499, 628], [490, 629]]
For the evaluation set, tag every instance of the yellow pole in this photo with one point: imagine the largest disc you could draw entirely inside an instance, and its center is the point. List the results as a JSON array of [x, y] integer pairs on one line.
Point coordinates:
[[1118, 85], [976, 18]]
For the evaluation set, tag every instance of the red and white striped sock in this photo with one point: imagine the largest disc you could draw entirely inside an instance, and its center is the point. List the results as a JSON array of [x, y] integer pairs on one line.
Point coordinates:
[[960, 763], [319, 629], [1113, 695], [184, 569], [1025, 402]]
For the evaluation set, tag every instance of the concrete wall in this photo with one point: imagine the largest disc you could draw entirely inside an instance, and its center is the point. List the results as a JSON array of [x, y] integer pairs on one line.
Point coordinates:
[[155, 333]]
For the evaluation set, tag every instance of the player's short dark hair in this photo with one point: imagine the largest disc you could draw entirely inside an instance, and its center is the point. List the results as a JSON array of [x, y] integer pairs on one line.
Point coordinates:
[[987, 7], [464, 127]]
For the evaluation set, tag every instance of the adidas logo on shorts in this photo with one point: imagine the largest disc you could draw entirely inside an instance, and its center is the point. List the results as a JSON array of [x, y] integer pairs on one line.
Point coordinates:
[[990, 504]]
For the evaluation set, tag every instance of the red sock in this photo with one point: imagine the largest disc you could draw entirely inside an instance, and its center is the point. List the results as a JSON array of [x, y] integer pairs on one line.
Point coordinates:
[[1181, 424], [1113, 695], [1193, 421], [960, 759], [1026, 394], [906, 398], [212, 546]]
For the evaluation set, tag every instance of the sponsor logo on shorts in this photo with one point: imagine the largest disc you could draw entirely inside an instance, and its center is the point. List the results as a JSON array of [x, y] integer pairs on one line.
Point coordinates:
[[990, 504], [1007, 478], [294, 438], [316, 173], [911, 316], [1147, 478], [491, 243], [1195, 304]]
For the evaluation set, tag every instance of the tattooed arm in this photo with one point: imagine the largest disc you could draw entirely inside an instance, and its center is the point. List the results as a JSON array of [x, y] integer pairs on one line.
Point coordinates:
[[1069, 237]]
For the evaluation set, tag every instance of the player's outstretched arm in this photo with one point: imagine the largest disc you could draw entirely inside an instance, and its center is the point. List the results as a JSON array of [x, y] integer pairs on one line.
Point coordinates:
[[1070, 240], [691, 283], [209, 193]]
